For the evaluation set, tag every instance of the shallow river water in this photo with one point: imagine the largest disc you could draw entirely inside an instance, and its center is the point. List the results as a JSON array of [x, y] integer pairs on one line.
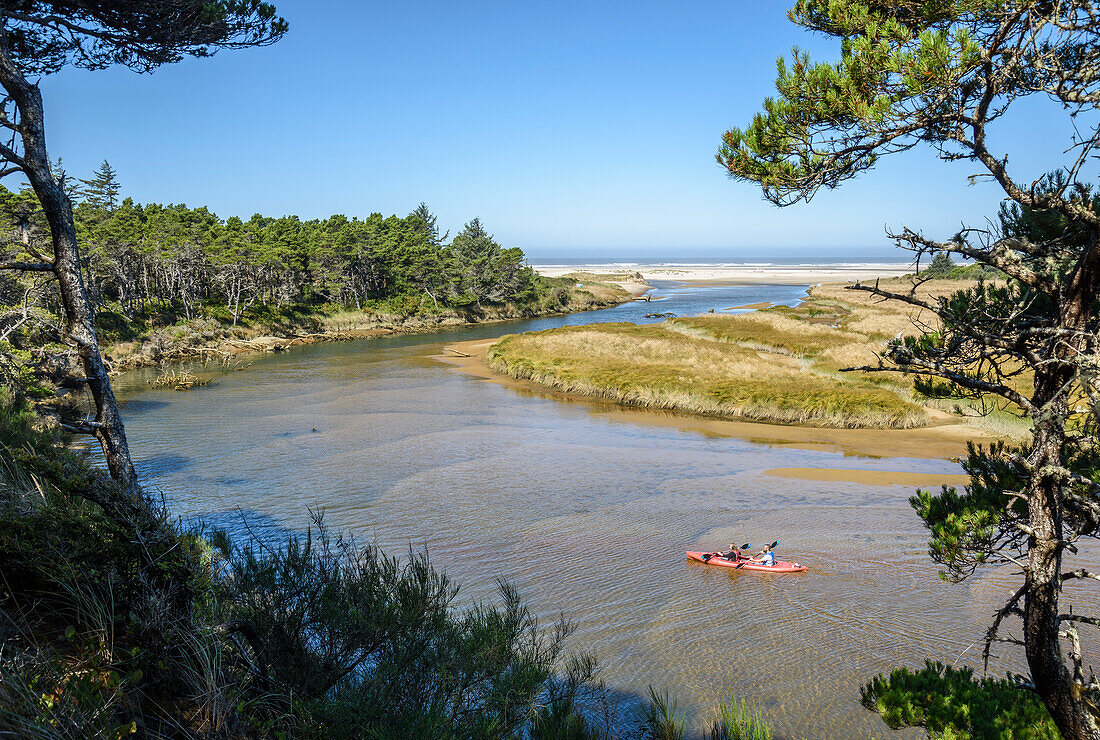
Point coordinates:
[[588, 511]]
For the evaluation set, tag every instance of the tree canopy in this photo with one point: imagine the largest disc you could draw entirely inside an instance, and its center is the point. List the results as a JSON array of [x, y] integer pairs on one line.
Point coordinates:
[[173, 258], [43, 36]]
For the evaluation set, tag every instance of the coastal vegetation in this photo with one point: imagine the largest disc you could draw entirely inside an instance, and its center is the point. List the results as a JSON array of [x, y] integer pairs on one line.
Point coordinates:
[[115, 621], [944, 77], [779, 364], [168, 282]]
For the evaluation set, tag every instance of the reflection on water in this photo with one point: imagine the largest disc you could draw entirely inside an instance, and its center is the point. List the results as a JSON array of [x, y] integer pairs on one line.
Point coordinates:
[[588, 515]]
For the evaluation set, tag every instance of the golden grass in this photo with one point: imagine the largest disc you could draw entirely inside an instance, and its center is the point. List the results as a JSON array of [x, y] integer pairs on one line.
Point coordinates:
[[771, 331], [779, 365], [656, 366]]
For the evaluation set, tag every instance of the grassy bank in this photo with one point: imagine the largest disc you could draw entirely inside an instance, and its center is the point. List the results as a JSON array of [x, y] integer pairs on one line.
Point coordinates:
[[156, 338], [779, 365]]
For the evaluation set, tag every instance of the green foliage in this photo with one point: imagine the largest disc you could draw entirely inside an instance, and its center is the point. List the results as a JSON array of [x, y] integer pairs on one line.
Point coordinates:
[[966, 528], [97, 620], [101, 191], [487, 272], [932, 388], [152, 264], [950, 704], [140, 34], [832, 121], [369, 646], [1039, 225], [659, 718], [560, 720], [736, 721]]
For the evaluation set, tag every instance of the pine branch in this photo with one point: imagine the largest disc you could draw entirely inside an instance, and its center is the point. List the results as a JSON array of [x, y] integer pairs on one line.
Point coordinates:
[[1010, 607]]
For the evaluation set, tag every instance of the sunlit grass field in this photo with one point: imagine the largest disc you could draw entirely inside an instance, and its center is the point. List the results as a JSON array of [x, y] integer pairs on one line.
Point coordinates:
[[780, 365]]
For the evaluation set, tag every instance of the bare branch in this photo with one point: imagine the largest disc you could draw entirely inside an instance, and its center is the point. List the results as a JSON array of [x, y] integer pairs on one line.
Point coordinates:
[[1010, 607], [1079, 573], [82, 426], [29, 266]]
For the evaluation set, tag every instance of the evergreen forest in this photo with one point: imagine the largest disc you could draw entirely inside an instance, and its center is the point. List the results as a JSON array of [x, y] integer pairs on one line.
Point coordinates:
[[150, 265]]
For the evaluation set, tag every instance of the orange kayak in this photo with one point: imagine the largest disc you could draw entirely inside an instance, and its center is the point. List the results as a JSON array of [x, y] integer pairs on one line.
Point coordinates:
[[781, 566]]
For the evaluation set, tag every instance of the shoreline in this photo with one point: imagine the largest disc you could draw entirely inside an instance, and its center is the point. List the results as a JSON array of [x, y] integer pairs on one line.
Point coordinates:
[[123, 356], [942, 440], [741, 274]]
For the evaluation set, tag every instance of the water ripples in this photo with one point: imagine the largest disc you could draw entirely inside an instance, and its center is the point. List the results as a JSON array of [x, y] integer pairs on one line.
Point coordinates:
[[588, 515]]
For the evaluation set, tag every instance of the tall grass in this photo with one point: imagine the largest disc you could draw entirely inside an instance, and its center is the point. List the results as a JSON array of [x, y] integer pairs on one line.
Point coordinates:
[[771, 331], [656, 366], [659, 718], [736, 721]]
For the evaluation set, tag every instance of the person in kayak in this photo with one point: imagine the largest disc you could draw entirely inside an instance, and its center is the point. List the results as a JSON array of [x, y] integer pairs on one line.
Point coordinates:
[[733, 554], [764, 557]]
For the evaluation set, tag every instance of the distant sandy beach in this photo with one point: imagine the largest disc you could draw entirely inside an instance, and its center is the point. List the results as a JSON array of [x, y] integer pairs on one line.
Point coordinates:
[[741, 274]]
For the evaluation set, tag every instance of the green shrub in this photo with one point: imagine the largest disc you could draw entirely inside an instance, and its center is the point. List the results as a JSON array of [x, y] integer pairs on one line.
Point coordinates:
[[950, 703], [367, 645]]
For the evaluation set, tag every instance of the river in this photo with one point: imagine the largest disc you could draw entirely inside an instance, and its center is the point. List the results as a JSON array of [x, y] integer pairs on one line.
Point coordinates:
[[588, 511]]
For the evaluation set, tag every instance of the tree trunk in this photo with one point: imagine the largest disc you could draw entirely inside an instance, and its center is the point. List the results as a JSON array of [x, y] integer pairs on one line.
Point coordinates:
[[79, 314], [1053, 680]]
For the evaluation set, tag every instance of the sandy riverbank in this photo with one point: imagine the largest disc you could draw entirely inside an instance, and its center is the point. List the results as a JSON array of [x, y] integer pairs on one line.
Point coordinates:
[[943, 439], [744, 274]]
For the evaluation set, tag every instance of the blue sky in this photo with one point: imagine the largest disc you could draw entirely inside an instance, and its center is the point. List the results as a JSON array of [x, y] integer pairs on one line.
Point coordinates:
[[583, 129]]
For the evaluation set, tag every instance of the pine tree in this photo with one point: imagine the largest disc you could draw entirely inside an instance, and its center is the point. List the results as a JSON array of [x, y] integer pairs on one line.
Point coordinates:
[[39, 38], [941, 76], [102, 190], [941, 266]]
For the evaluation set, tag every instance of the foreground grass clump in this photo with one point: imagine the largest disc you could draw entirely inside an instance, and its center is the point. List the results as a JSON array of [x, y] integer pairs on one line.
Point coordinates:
[[661, 366]]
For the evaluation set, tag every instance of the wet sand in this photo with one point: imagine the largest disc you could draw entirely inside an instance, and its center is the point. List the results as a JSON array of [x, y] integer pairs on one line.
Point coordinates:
[[871, 477], [946, 438]]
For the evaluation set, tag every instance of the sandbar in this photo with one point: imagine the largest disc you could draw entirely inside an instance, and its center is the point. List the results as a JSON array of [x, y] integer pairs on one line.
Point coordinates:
[[871, 477], [944, 439]]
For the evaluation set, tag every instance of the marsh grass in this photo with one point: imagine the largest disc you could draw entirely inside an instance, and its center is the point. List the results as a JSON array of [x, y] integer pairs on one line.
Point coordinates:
[[660, 718], [768, 330], [781, 365], [737, 721], [656, 366], [178, 380]]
